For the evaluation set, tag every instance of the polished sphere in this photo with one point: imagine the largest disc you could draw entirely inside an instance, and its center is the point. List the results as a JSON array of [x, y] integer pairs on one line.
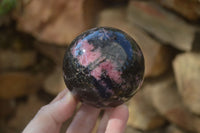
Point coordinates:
[[103, 67]]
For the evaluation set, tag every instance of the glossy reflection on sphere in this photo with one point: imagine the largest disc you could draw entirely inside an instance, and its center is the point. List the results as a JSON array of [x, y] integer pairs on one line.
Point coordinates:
[[103, 67]]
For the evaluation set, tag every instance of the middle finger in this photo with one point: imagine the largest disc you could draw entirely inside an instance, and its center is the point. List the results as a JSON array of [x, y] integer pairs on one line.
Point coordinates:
[[84, 120]]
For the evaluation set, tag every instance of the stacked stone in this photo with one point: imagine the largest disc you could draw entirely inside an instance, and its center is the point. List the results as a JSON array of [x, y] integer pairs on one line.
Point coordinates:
[[168, 32]]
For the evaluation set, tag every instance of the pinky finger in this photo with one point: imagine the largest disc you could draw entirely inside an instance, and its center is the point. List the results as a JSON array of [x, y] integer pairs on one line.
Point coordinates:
[[118, 119]]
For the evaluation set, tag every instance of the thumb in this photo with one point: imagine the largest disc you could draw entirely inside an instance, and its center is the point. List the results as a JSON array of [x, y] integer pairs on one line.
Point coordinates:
[[50, 117]]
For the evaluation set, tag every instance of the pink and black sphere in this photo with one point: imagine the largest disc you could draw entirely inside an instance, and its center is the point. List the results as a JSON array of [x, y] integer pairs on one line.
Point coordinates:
[[103, 67]]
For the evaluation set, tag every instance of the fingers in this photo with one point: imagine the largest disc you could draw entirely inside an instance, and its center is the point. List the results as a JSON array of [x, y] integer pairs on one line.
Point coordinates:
[[60, 95], [84, 120], [118, 119], [50, 117], [60, 110], [114, 121], [104, 121]]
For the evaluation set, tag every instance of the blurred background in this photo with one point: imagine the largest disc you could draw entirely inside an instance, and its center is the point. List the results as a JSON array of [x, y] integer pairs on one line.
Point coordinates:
[[34, 35]]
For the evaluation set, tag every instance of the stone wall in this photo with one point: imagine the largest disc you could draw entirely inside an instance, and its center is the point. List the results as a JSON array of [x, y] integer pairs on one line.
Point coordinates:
[[35, 35]]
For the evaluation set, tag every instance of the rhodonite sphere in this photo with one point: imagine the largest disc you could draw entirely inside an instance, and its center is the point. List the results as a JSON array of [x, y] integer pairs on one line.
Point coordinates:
[[103, 67]]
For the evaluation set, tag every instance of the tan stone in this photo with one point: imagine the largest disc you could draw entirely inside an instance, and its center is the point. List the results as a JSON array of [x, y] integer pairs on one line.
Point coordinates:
[[57, 21], [157, 56], [24, 113], [190, 9], [163, 25], [17, 60], [16, 84], [187, 71], [55, 82], [143, 115], [167, 101]]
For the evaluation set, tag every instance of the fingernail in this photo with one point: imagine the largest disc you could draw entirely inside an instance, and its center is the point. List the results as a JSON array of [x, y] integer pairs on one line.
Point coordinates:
[[67, 97]]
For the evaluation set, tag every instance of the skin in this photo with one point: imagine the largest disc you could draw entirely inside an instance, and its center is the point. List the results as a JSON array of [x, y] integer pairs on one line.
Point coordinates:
[[50, 118]]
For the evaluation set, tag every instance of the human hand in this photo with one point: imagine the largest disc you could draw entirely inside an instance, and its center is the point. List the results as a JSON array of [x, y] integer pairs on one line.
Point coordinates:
[[50, 118]]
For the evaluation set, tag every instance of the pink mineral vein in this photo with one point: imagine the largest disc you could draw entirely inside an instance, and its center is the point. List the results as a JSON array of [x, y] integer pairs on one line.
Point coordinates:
[[110, 69], [88, 56]]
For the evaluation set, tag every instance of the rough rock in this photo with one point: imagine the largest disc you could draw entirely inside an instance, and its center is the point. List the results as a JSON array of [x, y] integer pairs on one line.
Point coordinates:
[[24, 113], [17, 60], [157, 56], [166, 99], [54, 83], [163, 25], [143, 115], [190, 9], [16, 84], [57, 21], [187, 71], [56, 53]]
